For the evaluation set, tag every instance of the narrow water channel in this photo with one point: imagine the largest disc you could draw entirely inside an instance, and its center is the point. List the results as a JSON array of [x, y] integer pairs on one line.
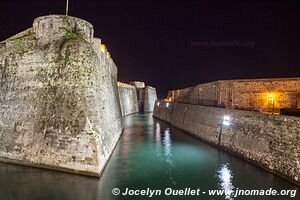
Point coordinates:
[[150, 154]]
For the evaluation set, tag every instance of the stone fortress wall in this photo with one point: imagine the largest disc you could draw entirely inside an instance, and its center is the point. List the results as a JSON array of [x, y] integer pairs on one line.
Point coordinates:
[[146, 96], [48, 28], [150, 98], [140, 93], [59, 102], [128, 98], [264, 94], [136, 97]]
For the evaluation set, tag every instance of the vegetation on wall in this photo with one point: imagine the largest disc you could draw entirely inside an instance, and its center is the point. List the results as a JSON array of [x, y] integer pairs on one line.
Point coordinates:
[[63, 86], [72, 35]]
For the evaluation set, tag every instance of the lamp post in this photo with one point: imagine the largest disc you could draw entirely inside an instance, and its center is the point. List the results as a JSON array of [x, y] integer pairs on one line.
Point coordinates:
[[273, 110], [67, 7], [224, 123], [272, 100]]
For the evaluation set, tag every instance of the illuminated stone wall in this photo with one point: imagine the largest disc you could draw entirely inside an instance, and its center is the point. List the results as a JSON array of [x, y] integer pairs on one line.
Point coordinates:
[[128, 98], [269, 141], [138, 84], [140, 90], [203, 94], [146, 96], [264, 94], [59, 105], [150, 98], [51, 27]]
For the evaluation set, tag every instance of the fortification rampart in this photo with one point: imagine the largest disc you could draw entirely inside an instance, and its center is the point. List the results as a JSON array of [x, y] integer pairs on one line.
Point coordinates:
[[50, 27], [260, 94], [149, 99], [128, 98], [59, 105], [146, 96]]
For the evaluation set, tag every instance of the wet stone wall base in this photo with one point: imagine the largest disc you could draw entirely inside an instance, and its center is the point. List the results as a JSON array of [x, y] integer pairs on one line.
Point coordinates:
[[59, 105], [271, 142]]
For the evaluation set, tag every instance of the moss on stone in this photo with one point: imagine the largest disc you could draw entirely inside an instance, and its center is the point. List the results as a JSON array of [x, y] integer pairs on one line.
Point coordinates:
[[72, 35], [272, 146], [63, 90], [20, 47]]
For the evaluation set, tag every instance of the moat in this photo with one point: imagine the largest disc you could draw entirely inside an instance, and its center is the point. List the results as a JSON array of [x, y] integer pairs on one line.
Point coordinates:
[[150, 154]]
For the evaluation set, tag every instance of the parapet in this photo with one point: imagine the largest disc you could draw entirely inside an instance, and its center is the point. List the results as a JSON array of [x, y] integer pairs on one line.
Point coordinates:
[[137, 84], [125, 85], [50, 27], [150, 87]]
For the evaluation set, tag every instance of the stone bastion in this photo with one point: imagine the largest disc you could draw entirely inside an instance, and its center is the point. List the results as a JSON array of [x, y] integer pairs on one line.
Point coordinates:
[[59, 105]]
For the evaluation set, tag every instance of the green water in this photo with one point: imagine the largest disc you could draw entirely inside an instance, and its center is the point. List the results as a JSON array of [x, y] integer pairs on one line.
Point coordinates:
[[150, 154]]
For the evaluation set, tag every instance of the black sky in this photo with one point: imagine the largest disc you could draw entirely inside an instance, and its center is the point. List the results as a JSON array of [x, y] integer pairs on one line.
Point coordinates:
[[162, 42]]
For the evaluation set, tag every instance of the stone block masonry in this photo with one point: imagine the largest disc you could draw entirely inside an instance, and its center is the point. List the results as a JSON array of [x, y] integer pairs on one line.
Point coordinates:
[[128, 99], [146, 96], [150, 98], [59, 104], [136, 97], [269, 95], [269, 141]]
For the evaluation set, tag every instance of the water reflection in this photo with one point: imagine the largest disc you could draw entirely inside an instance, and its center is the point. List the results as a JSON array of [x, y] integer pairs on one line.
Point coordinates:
[[168, 154], [158, 137], [225, 176], [167, 144]]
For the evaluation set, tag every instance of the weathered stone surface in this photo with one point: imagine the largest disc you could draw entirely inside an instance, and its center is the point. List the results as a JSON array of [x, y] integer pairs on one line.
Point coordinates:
[[146, 97], [149, 99], [264, 94], [269, 141], [138, 84], [128, 98], [59, 106]]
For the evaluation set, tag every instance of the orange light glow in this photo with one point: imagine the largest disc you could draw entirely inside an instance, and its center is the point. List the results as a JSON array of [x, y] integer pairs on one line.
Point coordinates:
[[102, 48], [271, 100], [168, 100], [271, 97], [108, 55]]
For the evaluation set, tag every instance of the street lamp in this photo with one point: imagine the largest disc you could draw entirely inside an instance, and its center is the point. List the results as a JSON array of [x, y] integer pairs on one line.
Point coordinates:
[[272, 100], [225, 122], [67, 7]]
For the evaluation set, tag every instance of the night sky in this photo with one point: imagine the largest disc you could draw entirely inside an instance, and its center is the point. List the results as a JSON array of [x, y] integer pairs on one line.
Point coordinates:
[[175, 44]]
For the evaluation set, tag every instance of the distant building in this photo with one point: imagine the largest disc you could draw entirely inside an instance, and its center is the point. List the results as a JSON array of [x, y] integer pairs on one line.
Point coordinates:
[[267, 95]]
